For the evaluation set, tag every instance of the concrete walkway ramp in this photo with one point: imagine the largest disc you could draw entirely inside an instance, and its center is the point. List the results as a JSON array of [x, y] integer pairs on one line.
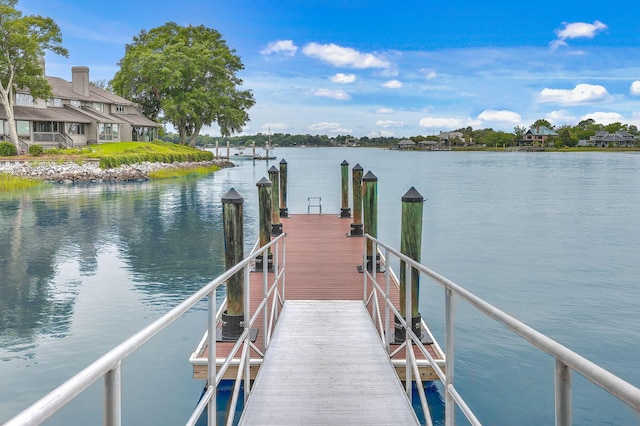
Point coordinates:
[[326, 366]]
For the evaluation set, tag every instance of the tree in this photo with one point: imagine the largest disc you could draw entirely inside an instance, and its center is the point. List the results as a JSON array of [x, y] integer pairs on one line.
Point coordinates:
[[518, 133], [23, 41], [542, 122], [185, 76]]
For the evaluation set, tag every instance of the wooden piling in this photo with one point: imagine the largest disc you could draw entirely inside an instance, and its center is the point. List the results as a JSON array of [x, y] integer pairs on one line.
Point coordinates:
[[370, 211], [356, 225], [411, 246], [228, 151], [345, 212], [284, 211], [232, 212], [276, 226], [264, 218]]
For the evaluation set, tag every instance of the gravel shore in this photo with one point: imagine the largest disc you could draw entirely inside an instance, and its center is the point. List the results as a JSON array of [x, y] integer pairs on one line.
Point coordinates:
[[87, 172]]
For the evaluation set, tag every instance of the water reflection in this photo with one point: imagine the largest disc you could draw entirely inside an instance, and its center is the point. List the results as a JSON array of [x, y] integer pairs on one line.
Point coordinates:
[[169, 237]]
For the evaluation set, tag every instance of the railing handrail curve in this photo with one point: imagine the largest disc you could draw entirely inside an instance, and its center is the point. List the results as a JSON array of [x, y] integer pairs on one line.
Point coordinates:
[[616, 386], [48, 405]]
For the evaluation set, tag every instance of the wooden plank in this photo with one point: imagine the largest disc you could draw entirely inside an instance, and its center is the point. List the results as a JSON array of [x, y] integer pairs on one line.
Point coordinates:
[[321, 264], [326, 365]]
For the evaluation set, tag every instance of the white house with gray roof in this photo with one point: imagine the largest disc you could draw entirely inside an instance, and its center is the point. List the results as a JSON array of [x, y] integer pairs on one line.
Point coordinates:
[[77, 114]]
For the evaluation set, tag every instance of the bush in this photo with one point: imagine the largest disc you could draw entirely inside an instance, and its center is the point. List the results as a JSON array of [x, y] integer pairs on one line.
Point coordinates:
[[35, 150], [7, 149]]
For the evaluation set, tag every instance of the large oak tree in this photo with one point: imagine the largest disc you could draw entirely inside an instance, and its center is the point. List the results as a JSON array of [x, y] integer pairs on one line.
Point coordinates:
[[185, 76], [23, 41]]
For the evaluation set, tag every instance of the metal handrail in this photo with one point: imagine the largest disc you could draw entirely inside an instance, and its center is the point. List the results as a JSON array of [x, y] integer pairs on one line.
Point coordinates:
[[109, 365], [566, 359], [319, 205]]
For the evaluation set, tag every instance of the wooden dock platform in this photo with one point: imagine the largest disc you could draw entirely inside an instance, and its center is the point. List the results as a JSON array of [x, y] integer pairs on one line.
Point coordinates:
[[315, 371], [321, 264]]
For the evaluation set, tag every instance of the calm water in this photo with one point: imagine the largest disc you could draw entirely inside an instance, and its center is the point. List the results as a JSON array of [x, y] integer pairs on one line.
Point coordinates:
[[551, 238]]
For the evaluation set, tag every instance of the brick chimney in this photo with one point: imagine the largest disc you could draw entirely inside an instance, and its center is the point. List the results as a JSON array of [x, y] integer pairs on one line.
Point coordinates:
[[80, 80], [42, 65]]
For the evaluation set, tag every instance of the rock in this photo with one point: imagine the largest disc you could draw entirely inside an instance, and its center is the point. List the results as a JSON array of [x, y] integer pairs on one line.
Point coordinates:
[[70, 172]]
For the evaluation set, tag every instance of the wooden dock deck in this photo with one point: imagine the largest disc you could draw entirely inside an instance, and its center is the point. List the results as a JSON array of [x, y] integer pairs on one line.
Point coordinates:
[[321, 264], [315, 372]]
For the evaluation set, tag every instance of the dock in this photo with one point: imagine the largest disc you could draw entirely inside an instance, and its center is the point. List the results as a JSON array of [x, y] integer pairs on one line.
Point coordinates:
[[316, 370], [321, 264]]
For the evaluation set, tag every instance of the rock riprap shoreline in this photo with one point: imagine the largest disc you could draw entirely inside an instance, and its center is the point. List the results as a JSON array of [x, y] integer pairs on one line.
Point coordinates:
[[90, 172]]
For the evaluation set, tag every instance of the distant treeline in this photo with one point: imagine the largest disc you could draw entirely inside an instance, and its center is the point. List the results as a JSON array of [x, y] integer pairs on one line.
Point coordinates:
[[567, 135], [282, 139]]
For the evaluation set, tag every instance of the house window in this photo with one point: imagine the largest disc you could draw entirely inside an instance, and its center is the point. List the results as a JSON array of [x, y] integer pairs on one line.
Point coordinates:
[[45, 126], [55, 102], [76, 103], [120, 108], [108, 132], [23, 128], [75, 128], [98, 106], [24, 99]]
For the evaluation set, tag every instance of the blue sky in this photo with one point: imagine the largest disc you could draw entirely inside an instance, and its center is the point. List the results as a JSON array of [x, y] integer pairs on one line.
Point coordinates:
[[369, 68]]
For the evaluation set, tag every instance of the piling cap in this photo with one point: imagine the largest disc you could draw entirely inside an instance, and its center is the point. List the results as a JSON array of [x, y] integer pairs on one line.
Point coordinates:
[[283, 161], [344, 163], [357, 167], [273, 169], [264, 182], [369, 177], [232, 197], [412, 195]]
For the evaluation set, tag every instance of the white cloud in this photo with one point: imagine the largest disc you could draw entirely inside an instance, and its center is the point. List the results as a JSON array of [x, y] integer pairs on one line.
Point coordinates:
[[604, 117], [385, 111], [575, 30], [340, 95], [392, 84], [389, 123], [560, 117], [344, 56], [502, 116], [580, 30], [581, 94], [635, 87], [442, 123], [274, 126], [285, 47], [328, 127], [343, 78], [429, 74]]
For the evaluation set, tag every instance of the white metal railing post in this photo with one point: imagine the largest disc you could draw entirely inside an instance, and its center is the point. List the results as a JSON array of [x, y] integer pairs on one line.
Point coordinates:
[[374, 280], [563, 394], [408, 327], [247, 322], [284, 265], [211, 358], [113, 396], [364, 268], [265, 286], [449, 407], [387, 283]]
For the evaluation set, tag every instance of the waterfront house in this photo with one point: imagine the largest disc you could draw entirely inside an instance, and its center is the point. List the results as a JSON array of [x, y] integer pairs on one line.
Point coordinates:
[[451, 138], [406, 144], [77, 114], [537, 136], [618, 139]]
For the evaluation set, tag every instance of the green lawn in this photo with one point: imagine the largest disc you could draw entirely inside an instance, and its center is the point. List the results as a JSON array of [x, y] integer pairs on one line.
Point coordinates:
[[118, 153]]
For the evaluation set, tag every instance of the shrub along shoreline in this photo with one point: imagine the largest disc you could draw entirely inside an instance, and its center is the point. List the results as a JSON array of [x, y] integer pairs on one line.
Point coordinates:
[[123, 161]]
